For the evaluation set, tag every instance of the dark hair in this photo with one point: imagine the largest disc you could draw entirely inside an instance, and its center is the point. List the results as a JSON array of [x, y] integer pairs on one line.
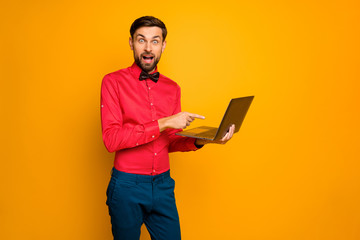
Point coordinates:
[[148, 21]]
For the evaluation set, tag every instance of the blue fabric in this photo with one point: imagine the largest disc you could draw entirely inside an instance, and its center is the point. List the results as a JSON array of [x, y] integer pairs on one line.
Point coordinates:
[[136, 199]]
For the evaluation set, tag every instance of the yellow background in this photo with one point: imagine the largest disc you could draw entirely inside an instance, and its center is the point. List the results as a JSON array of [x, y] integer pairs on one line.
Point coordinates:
[[292, 172]]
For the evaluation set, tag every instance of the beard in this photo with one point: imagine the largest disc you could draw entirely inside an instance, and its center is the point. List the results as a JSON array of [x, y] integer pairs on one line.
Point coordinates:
[[146, 67]]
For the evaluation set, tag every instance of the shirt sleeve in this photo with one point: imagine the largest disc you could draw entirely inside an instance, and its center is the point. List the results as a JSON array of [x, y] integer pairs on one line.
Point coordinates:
[[116, 135], [180, 143]]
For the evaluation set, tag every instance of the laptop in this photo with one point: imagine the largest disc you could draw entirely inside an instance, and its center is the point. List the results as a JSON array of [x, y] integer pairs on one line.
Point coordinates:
[[235, 114]]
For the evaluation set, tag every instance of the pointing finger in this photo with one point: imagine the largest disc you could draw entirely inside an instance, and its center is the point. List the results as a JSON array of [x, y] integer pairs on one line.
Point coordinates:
[[193, 115]]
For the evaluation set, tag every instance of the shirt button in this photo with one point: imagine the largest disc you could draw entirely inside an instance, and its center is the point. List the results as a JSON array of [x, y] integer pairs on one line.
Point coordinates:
[[154, 170], [155, 154], [149, 88], [153, 136], [137, 144], [151, 104], [102, 105]]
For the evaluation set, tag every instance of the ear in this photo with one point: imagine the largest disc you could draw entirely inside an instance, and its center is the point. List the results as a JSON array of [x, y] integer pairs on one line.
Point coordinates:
[[163, 47], [131, 43]]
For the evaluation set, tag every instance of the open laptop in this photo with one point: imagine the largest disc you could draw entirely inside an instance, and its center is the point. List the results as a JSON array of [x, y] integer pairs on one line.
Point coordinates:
[[235, 114]]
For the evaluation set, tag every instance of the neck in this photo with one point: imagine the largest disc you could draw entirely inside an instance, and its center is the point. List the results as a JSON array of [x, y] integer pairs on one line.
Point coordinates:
[[151, 71]]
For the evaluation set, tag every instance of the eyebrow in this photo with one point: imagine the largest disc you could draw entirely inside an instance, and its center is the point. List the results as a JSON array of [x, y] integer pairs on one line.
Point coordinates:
[[140, 35]]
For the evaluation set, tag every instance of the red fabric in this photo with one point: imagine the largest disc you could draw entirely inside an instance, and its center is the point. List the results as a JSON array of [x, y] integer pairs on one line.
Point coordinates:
[[130, 109]]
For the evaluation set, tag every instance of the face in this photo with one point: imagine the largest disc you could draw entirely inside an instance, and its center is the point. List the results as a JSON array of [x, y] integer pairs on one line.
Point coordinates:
[[147, 45]]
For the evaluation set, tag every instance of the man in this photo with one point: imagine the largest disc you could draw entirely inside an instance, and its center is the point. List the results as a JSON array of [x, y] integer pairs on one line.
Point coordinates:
[[140, 114]]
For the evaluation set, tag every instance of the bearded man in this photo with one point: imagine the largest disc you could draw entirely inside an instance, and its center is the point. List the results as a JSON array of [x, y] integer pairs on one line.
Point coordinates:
[[140, 114]]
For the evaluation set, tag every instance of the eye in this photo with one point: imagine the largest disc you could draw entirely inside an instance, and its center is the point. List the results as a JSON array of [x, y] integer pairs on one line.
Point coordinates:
[[155, 41], [141, 40]]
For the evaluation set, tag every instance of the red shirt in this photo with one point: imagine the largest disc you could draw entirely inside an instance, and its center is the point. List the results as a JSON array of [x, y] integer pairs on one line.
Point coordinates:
[[130, 109]]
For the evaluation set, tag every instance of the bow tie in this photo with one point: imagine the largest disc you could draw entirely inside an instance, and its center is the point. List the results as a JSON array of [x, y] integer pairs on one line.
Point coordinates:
[[145, 75]]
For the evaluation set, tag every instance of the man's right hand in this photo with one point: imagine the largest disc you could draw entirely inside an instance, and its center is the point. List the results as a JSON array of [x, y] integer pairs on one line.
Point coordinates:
[[178, 121]]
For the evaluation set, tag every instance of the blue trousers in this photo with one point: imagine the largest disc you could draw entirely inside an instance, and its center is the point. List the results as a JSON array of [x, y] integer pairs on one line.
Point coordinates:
[[136, 199]]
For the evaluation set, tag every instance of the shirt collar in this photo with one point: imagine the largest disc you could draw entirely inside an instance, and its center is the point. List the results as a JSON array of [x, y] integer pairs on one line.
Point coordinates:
[[137, 70]]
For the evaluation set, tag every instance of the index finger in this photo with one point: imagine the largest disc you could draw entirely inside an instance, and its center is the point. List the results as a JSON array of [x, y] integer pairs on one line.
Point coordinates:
[[196, 116]]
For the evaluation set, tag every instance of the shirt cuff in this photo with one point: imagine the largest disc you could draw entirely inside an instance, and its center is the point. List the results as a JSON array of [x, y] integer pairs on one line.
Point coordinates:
[[198, 146], [190, 143], [152, 130]]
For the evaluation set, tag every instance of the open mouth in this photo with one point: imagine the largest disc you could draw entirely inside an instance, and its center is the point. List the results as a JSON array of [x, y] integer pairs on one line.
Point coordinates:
[[147, 58]]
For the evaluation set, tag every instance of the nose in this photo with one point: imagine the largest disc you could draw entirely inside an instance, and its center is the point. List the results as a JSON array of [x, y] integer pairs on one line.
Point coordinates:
[[148, 47]]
